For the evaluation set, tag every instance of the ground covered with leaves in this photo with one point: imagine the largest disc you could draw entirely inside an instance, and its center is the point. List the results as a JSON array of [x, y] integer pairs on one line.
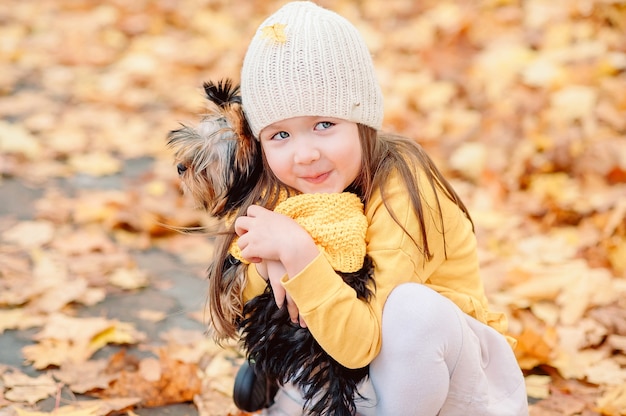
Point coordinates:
[[521, 103]]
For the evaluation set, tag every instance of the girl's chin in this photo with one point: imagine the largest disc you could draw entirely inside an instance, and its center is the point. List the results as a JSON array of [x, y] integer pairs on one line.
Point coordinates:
[[320, 187], [320, 190]]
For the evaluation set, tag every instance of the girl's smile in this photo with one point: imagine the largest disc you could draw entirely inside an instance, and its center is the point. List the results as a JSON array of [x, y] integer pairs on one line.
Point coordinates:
[[313, 154], [316, 178]]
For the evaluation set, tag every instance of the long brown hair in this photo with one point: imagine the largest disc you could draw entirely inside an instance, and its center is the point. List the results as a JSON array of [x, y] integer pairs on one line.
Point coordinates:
[[226, 276], [384, 154]]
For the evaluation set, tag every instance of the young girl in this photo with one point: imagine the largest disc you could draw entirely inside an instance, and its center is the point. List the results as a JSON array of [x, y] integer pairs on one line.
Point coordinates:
[[312, 100]]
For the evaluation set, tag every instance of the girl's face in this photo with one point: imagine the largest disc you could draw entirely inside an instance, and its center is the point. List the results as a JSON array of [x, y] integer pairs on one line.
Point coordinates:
[[313, 154]]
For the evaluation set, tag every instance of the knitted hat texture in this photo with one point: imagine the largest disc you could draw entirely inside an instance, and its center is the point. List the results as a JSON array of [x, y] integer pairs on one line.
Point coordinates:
[[305, 60], [336, 223]]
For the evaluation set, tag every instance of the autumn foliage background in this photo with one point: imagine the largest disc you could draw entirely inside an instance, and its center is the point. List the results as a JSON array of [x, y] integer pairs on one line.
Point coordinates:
[[521, 103]]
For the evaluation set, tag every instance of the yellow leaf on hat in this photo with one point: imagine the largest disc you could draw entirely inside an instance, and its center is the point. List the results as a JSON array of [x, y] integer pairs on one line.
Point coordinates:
[[275, 32]]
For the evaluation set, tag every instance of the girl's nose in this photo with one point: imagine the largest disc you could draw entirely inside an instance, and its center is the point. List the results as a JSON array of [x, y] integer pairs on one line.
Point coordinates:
[[306, 152]]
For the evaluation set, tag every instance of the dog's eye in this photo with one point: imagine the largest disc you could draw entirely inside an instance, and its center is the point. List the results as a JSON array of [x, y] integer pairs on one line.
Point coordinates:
[[181, 168]]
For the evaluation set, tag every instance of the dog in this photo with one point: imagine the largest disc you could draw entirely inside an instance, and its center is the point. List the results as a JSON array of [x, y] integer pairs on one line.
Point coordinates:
[[219, 163]]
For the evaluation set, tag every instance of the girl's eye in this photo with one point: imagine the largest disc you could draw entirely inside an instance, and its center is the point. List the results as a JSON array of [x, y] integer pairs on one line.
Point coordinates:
[[281, 135], [323, 125]]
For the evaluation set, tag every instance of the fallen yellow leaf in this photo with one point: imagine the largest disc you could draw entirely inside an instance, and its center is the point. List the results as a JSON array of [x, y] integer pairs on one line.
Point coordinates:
[[96, 163], [30, 234], [613, 401], [538, 386], [62, 411]]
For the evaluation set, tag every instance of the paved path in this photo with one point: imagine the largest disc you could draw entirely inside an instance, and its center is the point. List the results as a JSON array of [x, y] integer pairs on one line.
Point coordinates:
[[184, 292]]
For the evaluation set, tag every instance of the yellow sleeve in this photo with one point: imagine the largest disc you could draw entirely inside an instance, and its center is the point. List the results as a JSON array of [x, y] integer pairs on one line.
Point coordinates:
[[453, 271], [330, 307], [334, 314]]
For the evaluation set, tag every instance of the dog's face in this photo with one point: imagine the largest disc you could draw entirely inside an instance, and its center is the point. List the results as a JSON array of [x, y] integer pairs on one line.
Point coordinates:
[[204, 159], [218, 161]]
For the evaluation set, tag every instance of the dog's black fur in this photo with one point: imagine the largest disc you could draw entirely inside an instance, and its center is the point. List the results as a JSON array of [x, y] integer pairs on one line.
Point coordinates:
[[282, 351], [286, 352]]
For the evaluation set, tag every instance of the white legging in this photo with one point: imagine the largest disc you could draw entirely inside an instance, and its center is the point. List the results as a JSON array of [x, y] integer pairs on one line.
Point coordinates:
[[434, 360]]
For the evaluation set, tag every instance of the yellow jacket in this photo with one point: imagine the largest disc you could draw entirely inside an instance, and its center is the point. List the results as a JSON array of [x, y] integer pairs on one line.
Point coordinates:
[[349, 329]]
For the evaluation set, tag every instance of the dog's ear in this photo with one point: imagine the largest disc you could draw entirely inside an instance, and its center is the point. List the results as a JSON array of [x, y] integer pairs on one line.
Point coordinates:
[[223, 93], [226, 96], [246, 159]]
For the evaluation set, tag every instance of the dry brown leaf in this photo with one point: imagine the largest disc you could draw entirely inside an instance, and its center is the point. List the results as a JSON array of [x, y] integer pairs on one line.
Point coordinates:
[[22, 388], [30, 234], [538, 386], [150, 369], [19, 319], [129, 279], [85, 376], [613, 401], [51, 352], [561, 404], [16, 139], [169, 381], [66, 339], [96, 164], [87, 408], [62, 411], [151, 315]]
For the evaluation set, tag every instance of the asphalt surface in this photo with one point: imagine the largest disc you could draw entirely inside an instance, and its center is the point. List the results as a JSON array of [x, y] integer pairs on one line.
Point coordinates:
[[183, 293]]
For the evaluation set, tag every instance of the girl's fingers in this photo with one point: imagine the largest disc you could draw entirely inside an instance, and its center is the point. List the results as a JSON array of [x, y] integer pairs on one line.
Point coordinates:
[[254, 209], [242, 248], [279, 294], [294, 313], [242, 225]]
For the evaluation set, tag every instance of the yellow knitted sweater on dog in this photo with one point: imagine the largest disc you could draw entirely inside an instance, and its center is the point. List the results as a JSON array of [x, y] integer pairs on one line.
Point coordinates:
[[336, 223]]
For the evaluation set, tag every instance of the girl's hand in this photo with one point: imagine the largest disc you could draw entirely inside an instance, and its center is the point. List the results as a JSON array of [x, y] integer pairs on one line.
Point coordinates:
[[276, 271], [266, 235], [279, 245]]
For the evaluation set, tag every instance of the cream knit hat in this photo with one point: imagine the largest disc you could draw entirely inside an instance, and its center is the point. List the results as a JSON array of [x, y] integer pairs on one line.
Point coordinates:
[[305, 60]]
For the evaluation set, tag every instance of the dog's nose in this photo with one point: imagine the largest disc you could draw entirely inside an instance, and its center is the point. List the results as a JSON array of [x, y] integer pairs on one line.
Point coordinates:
[[181, 168]]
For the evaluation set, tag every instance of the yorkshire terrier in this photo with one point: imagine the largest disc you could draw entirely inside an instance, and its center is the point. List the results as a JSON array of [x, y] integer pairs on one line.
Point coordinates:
[[220, 165]]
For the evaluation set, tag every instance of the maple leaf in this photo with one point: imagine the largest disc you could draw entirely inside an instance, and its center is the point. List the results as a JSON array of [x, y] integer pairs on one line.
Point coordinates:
[[89, 408], [52, 352], [71, 339], [22, 388], [62, 411], [84, 376]]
